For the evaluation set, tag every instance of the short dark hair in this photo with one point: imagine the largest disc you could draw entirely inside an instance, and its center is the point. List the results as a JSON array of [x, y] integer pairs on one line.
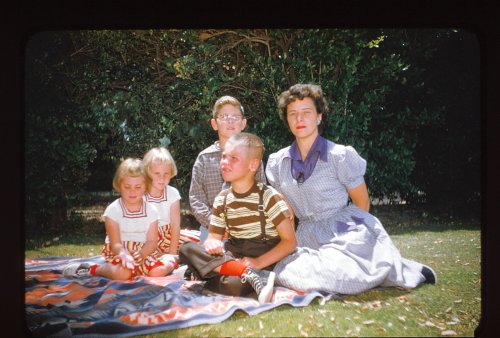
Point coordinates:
[[299, 92]]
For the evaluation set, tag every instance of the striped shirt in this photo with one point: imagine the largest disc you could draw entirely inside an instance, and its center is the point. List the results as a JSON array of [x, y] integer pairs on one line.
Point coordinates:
[[243, 215], [207, 182]]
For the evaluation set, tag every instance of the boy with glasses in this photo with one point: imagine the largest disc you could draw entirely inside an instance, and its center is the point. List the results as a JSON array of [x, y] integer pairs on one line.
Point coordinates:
[[206, 180]]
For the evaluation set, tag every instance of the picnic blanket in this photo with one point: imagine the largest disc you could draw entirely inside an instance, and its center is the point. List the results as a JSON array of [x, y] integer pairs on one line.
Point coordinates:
[[96, 306]]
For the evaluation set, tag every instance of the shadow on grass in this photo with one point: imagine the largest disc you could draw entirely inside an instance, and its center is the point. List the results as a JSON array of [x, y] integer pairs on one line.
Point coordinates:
[[397, 220], [401, 219]]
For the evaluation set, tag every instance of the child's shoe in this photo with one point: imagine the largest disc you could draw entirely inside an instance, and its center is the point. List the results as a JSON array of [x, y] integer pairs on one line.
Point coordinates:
[[77, 270], [256, 280]]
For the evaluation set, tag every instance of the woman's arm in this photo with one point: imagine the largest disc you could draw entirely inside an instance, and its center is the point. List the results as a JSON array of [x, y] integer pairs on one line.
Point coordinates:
[[359, 196], [175, 226]]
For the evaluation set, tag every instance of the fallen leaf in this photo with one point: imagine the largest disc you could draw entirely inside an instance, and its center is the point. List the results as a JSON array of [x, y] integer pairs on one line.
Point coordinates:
[[448, 333], [458, 301], [402, 318], [261, 326], [368, 322], [402, 299], [429, 323]]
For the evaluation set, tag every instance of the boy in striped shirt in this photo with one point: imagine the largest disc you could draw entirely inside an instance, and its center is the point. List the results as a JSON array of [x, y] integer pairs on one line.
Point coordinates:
[[258, 221]]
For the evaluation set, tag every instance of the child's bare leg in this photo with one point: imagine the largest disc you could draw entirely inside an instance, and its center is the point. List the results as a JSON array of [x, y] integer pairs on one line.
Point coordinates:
[[170, 263], [161, 270], [116, 272]]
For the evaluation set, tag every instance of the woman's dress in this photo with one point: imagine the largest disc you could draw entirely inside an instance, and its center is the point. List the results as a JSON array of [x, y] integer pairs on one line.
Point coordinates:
[[341, 248]]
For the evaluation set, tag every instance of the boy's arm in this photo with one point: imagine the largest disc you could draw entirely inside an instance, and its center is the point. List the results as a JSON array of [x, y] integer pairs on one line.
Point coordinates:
[[213, 244], [286, 245], [197, 197]]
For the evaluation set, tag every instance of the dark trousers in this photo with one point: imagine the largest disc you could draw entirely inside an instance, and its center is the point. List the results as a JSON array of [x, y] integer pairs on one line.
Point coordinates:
[[202, 264]]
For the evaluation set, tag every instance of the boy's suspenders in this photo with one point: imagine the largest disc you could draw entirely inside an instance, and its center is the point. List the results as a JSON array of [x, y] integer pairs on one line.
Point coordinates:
[[260, 208]]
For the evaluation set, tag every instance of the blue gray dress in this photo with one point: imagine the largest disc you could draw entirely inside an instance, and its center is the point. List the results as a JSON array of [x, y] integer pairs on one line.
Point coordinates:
[[341, 248]]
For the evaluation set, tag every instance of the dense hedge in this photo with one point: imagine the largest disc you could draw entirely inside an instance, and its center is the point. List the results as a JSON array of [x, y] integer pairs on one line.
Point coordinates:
[[94, 97]]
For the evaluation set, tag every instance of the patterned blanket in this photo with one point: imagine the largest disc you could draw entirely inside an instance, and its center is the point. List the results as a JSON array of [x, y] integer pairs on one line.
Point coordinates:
[[96, 306]]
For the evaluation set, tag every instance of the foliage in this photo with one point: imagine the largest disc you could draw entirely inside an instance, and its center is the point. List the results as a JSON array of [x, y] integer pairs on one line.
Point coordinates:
[[59, 136], [106, 95]]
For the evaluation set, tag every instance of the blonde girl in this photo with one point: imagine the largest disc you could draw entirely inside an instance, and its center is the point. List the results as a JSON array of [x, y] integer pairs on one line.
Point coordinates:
[[130, 247], [160, 168]]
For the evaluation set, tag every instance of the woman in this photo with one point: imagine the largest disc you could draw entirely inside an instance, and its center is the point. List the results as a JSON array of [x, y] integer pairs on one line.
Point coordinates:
[[341, 247]]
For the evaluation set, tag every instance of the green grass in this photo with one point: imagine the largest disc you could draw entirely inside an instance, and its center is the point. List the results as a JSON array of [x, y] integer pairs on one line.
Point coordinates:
[[451, 307]]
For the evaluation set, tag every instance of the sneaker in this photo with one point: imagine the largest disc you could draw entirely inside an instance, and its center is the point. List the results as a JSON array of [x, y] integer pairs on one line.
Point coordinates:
[[264, 292], [77, 270], [180, 271], [429, 274]]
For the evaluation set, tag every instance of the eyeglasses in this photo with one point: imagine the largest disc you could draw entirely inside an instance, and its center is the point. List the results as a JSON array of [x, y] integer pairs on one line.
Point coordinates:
[[227, 118]]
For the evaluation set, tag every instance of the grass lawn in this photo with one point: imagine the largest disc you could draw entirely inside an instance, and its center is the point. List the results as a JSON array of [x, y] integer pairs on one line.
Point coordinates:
[[452, 307]]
